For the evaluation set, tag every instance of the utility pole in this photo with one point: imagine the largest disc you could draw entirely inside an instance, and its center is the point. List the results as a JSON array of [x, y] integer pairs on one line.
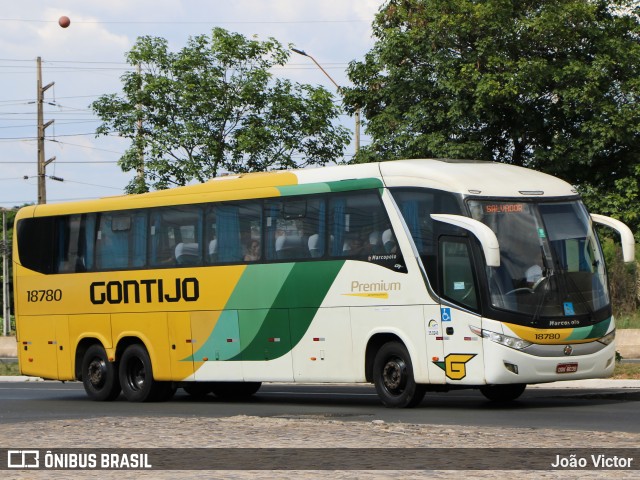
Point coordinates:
[[140, 135], [42, 164]]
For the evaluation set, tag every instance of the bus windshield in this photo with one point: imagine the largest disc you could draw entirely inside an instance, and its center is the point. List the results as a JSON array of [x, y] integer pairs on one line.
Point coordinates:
[[551, 263]]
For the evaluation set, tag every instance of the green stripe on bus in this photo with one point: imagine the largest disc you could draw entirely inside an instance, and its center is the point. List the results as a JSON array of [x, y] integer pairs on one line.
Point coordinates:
[[595, 331], [292, 311], [325, 187], [294, 292]]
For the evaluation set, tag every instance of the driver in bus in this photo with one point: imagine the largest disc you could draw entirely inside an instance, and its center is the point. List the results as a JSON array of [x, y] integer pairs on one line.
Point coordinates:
[[533, 275]]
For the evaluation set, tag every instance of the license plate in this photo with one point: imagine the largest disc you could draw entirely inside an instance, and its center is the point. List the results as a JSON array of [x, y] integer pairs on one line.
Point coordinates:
[[567, 368]]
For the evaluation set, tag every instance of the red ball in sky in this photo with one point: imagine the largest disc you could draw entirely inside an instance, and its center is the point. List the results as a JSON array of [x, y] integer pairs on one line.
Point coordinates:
[[64, 21]]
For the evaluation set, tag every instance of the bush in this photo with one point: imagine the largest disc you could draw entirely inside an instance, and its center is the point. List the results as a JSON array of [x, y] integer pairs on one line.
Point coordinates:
[[623, 280]]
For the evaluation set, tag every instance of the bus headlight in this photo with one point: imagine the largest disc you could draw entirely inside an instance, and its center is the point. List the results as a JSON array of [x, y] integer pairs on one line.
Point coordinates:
[[608, 338], [506, 340]]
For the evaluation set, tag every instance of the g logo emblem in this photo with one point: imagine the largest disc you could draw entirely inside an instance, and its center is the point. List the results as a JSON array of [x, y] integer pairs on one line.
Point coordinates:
[[455, 365]]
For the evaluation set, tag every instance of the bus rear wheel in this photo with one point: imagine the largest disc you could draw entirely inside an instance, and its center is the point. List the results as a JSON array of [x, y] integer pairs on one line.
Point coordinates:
[[99, 375], [503, 393], [136, 377], [393, 377]]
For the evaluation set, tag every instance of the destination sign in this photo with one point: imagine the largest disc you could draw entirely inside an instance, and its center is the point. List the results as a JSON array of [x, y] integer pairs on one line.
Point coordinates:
[[503, 208]]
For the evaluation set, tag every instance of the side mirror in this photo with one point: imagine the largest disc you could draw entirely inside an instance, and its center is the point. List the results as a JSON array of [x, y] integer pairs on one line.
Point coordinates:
[[626, 235], [484, 234]]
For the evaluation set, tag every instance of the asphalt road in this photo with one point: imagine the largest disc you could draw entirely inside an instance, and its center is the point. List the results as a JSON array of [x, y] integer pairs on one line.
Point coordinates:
[[571, 409]]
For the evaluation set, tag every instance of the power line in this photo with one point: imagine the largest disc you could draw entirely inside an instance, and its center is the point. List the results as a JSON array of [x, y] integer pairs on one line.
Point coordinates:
[[62, 161], [62, 135], [85, 146], [185, 22], [58, 179]]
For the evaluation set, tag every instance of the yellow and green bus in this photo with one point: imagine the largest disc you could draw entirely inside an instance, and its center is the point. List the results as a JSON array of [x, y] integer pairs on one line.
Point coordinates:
[[413, 275]]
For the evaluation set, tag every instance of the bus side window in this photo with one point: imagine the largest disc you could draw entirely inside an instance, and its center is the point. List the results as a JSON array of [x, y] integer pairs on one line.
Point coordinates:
[[71, 252], [295, 228], [359, 226], [112, 241], [211, 236], [251, 231], [233, 232], [175, 234], [139, 239]]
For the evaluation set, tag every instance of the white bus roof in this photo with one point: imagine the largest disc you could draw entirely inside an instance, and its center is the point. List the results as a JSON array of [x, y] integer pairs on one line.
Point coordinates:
[[466, 177]]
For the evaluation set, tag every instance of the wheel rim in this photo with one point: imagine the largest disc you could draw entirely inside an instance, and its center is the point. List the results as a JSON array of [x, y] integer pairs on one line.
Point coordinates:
[[394, 375], [97, 372], [135, 374]]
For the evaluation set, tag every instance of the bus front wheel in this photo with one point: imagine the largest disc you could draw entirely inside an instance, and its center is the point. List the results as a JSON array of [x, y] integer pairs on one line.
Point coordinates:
[[503, 393], [99, 375], [136, 377], [393, 377]]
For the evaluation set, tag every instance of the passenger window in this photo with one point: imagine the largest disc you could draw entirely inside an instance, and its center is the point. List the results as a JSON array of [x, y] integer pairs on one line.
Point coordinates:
[[71, 244], [234, 233], [175, 236], [295, 228], [359, 226], [112, 241]]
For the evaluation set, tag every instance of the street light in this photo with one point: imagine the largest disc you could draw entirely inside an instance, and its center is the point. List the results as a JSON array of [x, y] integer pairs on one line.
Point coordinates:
[[357, 113]]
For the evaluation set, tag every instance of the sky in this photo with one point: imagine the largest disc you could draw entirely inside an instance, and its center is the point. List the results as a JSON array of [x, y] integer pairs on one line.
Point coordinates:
[[87, 59]]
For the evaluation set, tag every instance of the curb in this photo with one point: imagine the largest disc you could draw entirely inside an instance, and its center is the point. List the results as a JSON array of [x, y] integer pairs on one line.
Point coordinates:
[[21, 378]]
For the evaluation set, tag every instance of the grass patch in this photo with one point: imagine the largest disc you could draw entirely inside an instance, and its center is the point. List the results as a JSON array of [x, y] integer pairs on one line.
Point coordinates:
[[628, 321], [9, 368], [629, 371], [12, 326]]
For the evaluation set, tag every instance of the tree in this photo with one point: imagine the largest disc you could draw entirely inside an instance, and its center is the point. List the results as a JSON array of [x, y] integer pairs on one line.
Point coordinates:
[[6, 249], [214, 106], [549, 84]]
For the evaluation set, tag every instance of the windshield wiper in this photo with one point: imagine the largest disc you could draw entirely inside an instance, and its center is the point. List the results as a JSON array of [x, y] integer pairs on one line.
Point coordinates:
[[547, 273]]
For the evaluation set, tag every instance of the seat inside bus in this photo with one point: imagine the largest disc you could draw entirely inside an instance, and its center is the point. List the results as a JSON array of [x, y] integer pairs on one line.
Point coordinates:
[[187, 254]]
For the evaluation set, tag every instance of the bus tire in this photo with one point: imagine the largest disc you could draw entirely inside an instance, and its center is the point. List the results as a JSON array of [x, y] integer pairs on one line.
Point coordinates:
[[503, 393], [393, 377], [99, 375], [136, 376], [234, 390]]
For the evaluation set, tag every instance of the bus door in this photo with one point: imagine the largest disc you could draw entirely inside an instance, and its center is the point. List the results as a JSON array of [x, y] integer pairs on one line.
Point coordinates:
[[458, 288]]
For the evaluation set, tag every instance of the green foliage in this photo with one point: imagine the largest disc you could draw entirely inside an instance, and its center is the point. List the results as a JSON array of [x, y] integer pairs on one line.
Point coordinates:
[[622, 284], [10, 217], [620, 200], [12, 325], [549, 84], [628, 321], [9, 368], [214, 106]]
